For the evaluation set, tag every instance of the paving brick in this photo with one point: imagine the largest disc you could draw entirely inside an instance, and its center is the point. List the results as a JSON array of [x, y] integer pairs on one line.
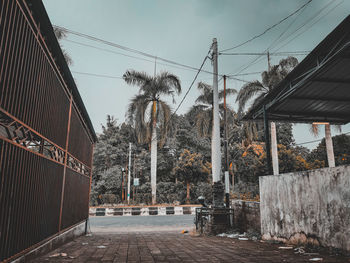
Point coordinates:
[[173, 247]]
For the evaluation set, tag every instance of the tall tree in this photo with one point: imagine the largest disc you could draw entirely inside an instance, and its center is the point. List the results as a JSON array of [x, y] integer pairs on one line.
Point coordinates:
[[203, 109], [328, 140], [256, 90], [149, 114], [190, 168]]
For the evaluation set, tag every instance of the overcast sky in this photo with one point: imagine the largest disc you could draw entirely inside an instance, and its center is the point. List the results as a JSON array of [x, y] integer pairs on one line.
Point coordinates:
[[182, 31]]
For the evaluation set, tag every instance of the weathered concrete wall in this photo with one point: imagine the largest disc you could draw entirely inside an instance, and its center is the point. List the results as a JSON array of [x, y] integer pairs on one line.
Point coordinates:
[[307, 207], [246, 215]]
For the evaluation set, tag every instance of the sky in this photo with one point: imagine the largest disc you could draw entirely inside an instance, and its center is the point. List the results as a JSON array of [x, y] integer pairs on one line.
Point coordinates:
[[182, 31]]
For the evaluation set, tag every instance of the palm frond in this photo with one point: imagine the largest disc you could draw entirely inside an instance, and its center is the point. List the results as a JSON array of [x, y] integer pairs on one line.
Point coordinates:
[[204, 122], [141, 79], [59, 33], [337, 128], [247, 92], [229, 92], [314, 129]]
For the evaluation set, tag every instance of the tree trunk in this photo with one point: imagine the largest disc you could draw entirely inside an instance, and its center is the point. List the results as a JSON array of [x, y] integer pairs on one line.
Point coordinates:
[[154, 156], [188, 193], [274, 151], [329, 146]]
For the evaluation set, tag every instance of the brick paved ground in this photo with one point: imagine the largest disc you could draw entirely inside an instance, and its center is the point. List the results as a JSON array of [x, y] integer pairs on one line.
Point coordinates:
[[173, 247]]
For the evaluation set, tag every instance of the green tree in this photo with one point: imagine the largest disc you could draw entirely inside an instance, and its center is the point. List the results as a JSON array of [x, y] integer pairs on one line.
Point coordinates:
[[191, 169], [149, 102], [256, 91], [314, 128], [341, 145], [203, 109]]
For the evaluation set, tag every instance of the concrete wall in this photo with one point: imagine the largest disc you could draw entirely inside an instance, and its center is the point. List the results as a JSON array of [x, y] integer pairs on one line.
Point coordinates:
[[307, 207], [246, 215]]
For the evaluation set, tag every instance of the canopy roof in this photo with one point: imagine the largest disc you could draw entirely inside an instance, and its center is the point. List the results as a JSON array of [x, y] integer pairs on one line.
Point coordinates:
[[318, 89]]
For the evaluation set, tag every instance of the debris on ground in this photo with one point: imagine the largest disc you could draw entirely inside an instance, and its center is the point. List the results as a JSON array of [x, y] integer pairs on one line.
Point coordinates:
[[57, 255], [285, 247], [85, 243], [316, 259], [233, 236], [101, 246], [299, 250], [88, 235], [184, 232], [245, 236]]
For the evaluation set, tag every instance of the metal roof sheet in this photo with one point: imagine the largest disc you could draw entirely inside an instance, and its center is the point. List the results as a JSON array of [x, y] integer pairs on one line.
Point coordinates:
[[318, 89]]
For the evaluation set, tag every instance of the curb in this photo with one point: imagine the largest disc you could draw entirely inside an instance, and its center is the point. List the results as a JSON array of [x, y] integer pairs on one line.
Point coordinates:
[[143, 211]]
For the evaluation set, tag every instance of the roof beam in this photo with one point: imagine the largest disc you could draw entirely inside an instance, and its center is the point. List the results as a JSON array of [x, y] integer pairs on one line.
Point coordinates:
[[320, 99], [328, 80], [305, 114]]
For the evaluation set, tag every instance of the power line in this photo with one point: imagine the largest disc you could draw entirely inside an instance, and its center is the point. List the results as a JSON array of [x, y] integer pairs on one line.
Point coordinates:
[[257, 59], [122, 54], [284, 53], [97, 75], [268, 29], [107, 76], [318, 139], [128, 49], [302, 32]]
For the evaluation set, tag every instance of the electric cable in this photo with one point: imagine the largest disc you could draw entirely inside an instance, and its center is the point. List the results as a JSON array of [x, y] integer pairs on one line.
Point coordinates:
[[269, 28], [96, 39]]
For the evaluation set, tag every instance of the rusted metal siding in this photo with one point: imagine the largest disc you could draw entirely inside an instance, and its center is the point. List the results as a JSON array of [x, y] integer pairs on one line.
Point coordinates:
[[30, 88], [30, 199], [79, 145], [75, 183], [46, 139]]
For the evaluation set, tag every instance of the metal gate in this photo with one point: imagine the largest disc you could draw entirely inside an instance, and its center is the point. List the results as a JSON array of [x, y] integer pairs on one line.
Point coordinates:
[[46, 136]]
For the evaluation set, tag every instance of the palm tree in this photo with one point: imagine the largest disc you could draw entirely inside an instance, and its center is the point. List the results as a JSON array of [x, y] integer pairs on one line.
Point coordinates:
[[328, 139], [149, 114], [61, 34], [256, 90], [203, 109]]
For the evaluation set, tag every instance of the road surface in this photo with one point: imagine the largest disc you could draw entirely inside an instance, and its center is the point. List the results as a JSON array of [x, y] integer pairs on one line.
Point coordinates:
[[176, 223]]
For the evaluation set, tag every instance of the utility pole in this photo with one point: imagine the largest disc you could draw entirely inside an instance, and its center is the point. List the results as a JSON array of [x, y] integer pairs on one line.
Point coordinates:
[[218, 190], [129, 172], [274, 150], [227, 180]]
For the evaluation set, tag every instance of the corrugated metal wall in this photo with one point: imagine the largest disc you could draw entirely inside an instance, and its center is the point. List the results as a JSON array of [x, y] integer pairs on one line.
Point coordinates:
[[45, 147]]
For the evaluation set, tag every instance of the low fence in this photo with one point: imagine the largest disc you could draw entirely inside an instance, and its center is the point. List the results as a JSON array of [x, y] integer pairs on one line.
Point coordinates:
[[143, 211], [213, 220], [246, 215]]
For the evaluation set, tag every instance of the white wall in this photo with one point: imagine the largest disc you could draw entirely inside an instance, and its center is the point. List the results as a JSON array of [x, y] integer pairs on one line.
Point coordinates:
[[307, 207]]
